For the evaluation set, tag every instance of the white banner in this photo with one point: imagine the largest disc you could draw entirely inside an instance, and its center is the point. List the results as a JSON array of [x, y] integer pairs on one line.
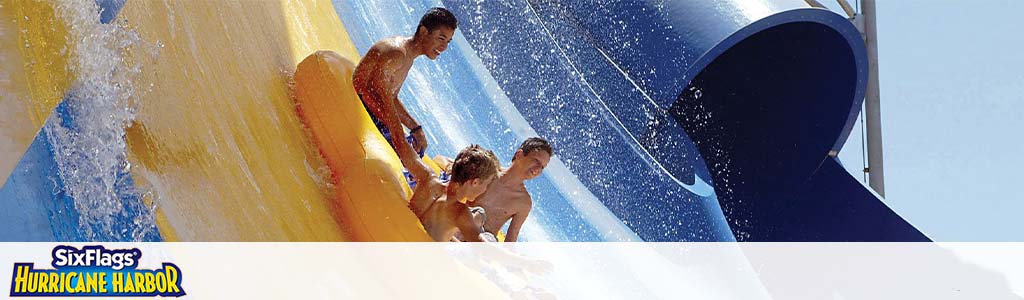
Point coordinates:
[[520, 271]]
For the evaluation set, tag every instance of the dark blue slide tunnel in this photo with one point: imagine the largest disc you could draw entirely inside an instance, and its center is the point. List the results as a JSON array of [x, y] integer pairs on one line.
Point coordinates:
[[753, 98]]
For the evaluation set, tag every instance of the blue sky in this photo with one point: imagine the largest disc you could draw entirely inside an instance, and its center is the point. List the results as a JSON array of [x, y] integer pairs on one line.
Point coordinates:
[[952, 115]]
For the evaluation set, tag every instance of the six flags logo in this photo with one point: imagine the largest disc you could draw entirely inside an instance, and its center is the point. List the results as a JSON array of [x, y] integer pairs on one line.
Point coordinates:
[[96, 271]]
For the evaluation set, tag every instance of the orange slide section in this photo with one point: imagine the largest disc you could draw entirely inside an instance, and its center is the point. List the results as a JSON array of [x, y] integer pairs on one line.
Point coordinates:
[[371, 196]]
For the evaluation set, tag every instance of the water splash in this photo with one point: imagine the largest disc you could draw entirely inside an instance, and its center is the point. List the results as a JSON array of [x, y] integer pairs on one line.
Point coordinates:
[[715, 138], [87, 132]]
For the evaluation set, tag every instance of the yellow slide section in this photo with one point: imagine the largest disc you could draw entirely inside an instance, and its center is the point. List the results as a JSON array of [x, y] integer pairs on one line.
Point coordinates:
[[33, 73], [216, 144], [216, 139], [372, 194]]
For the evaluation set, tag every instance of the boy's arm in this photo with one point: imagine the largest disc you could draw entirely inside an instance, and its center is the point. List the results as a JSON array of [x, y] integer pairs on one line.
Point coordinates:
[[421, 138], [388, 86], [464, 221], [407, 119], [517, 223], [408, 156], [384, 84], [424, 194]]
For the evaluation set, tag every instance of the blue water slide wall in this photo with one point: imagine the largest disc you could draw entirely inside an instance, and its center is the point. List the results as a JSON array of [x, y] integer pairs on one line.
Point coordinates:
[[760, 92], [559, 105]]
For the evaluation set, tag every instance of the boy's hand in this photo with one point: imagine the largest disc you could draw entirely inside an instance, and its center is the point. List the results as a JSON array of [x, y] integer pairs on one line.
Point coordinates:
[[488, 237], [421, 141]]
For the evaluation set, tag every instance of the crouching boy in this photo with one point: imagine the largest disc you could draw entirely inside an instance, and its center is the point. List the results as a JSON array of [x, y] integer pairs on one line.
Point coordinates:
[[447, 214]]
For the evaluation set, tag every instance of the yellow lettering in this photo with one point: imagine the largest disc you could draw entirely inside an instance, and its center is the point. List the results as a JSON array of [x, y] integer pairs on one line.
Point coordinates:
[[80, 284], [68, 278], [21, 279], [150, 285], [118, 282], [34, 288], [172, 279], [140, 283], [54, 282], [161, 283], [102, 281], [90, 282], [44, 283], [129, 286], [66, 282], [33, 282]]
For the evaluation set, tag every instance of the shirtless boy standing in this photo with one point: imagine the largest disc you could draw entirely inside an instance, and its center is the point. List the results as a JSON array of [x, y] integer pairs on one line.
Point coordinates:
[[445, 215], [506, 198], [381, 73]]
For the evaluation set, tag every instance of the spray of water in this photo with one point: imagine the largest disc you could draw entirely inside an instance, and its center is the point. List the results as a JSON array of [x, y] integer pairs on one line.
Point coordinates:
[[87, 134]]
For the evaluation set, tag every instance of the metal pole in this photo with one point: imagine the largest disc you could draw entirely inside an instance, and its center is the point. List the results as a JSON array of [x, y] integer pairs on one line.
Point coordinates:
[[847, 8], [815, 3], [842, 3], [872, 107]]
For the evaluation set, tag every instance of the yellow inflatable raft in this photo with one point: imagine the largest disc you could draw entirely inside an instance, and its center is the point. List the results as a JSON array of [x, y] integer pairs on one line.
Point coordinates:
[[371, 194], [371, 200]]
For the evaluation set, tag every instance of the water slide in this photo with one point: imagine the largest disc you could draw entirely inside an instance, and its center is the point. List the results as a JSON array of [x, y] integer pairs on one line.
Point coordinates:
[[671, 120]]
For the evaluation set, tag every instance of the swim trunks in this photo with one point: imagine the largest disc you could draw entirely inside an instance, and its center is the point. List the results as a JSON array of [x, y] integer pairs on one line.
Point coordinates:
[[411, 139], [444, 178]]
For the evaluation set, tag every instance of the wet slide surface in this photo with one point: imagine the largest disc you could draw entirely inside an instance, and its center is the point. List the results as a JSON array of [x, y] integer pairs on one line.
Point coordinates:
[[467, 99]]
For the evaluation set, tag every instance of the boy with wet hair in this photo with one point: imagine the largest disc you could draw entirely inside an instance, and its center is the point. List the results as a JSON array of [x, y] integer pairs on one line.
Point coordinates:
[[446, 214], [506, 198], [380, 74]]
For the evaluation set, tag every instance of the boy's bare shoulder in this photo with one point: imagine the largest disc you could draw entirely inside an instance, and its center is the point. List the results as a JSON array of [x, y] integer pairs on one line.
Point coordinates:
[[527, 201], [459, 208], [521, 202], [388, 47]]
